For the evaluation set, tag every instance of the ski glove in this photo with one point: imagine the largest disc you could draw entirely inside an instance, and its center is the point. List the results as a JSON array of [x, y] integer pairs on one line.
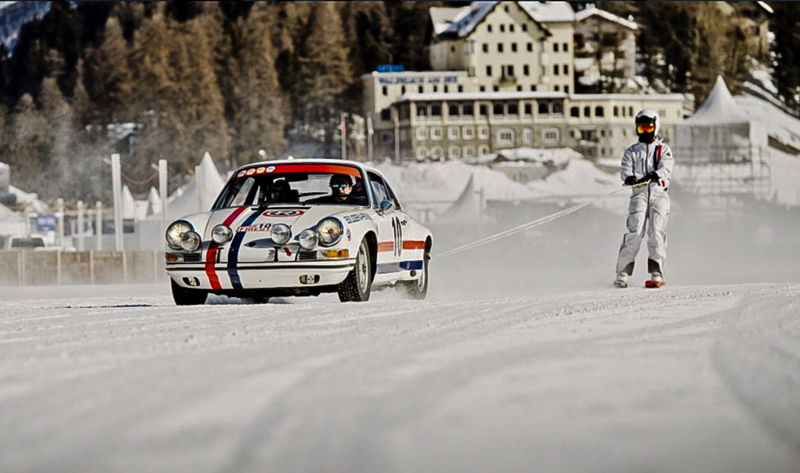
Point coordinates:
[[630, 180], [652, 176]]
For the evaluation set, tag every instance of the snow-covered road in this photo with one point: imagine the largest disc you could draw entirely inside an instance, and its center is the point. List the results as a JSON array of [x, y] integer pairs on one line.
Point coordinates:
[[702, 378]]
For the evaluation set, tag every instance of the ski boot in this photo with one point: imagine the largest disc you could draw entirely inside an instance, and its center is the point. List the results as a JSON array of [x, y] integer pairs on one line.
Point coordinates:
[[656, 280], [622, 280]]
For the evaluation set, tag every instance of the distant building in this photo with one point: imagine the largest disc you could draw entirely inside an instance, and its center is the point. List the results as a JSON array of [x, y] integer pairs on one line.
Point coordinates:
[[755, 17], [504, 77]]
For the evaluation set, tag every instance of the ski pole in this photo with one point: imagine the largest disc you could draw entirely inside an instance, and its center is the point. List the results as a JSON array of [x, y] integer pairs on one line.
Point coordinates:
[[526, 226]]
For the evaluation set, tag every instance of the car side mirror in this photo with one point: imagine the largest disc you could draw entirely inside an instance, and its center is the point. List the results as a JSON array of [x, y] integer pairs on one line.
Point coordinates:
[[386, 206]]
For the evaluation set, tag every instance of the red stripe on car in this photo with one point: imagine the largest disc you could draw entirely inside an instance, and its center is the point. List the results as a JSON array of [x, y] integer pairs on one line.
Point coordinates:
[[385, 246], [211, 254], [413, 245]]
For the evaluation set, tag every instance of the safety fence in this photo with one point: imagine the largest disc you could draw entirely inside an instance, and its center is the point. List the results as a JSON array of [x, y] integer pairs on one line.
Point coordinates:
[[50, 268]]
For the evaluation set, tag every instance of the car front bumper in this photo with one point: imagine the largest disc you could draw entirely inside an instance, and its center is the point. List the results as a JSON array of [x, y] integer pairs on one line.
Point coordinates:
[[250, 276]]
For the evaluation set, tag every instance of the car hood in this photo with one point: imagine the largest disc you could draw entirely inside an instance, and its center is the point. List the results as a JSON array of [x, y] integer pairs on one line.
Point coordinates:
[[261, 220]]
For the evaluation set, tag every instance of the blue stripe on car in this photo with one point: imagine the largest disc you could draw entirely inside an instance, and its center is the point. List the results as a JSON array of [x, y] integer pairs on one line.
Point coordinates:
[[401, 266], [233, 252]]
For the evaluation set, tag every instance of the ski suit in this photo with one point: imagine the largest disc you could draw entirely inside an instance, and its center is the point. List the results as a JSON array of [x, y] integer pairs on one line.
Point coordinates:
[[650, 203]]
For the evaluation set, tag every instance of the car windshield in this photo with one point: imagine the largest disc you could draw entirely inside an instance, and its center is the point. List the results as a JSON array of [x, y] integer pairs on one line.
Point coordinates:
[[292, 184]]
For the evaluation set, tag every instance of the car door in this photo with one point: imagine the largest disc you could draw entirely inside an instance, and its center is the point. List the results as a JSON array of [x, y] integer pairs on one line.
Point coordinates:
[[390, 240]]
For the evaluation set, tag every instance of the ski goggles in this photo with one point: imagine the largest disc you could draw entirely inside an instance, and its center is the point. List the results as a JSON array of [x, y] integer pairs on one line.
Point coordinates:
[[339, 186], [645, 128]]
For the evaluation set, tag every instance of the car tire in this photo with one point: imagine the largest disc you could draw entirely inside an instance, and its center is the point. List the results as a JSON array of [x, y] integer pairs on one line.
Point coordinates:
[[358, 284], [418, 289], [185, 296]]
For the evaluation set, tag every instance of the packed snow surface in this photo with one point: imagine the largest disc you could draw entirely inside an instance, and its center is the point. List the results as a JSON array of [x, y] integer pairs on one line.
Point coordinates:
[[118, 379]]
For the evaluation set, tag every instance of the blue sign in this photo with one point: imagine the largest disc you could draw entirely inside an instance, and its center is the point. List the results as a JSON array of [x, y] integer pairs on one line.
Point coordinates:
[[46, 223], [391, 68]]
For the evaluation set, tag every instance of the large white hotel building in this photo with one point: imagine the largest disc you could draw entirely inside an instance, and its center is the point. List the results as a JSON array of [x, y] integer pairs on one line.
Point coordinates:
[[504, 77]]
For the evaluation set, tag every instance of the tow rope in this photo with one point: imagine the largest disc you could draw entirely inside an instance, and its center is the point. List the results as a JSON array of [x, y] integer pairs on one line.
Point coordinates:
[[529, 225]]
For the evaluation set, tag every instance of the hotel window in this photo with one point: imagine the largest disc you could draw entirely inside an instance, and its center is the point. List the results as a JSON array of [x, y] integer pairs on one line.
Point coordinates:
[[496, 88], [483, 150], [483, 132], [587, 111], [558, 108], [385, 90], [508, 71], [421, 151], [436, 133], [565, 47], [436, 153], [469, 151], [556, 88], [461, 88], [630, 111], [513, 109], [421, 133], [519, 88], [386, 136], [422, 110], [483, 110], [505, 136], [386, 114], [452, 152], [452, 49], [616, 111], [486, 47], [530, 47], [566, 69], [467, 133], [528, 109], [489, 28], [555, 47], [452, 110], [421, 89], [511, 28], [599, 111], [544, 109], [402, 90], [489, 71], [533, 88], [436, 88], [525, 28], [527, 136], [575, 112], [513, 47], [550, 135], [526, 70], [436, 110], [452, 133], [555, 69], [483, 88], [497, 109], [468, 109], [566, 89], [503, 27], [499, 47]]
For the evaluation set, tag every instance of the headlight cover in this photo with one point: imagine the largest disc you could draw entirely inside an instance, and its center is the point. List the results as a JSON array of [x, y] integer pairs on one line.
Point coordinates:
[[308, 239], [281, 234], [221, 234], [190, 241], [329, 231], [175, 233]]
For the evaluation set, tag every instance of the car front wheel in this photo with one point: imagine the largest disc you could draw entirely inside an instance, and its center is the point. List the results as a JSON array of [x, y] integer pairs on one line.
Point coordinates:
[[356, 287], [184, 296]]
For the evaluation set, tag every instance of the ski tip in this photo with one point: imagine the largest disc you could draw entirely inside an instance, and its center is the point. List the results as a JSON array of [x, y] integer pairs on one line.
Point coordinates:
[[650, 284]]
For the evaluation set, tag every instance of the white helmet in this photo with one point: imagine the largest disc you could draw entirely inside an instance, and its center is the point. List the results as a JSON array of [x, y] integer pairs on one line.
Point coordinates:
[[644, 118]]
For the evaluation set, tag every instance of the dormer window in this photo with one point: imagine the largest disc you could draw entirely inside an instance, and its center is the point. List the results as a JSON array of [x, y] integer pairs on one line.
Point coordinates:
[[502, 28]]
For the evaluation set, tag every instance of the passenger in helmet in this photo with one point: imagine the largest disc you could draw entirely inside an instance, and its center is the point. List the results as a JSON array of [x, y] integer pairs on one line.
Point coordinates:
[[646, 168]]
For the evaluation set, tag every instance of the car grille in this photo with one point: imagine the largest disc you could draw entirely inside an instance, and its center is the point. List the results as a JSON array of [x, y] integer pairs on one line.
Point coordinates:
[[191, 258], [307, 256]]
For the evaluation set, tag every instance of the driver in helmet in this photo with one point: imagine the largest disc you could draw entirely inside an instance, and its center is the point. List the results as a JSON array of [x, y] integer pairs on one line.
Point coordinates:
[[646, 168]]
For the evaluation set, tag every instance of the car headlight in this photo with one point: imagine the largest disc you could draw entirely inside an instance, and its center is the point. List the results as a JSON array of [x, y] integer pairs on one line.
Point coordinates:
[[308, 239], [281, 234], [175, 233], [190, 241], [329, 231], [221, 234]]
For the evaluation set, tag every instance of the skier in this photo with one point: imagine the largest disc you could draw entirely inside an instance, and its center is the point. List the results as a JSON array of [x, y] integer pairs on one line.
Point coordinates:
[[646, 168]]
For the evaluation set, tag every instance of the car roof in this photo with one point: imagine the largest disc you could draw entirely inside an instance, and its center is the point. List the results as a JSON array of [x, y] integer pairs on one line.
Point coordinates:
[[362, 166]]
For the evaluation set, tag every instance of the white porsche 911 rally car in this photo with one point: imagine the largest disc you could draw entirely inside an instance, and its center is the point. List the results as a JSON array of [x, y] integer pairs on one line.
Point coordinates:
[[299, 227]]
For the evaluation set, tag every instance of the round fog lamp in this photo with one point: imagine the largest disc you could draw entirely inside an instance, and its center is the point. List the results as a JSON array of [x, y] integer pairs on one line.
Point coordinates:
[[221, 234], [308, 239], [190, 241], [281, 234]]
